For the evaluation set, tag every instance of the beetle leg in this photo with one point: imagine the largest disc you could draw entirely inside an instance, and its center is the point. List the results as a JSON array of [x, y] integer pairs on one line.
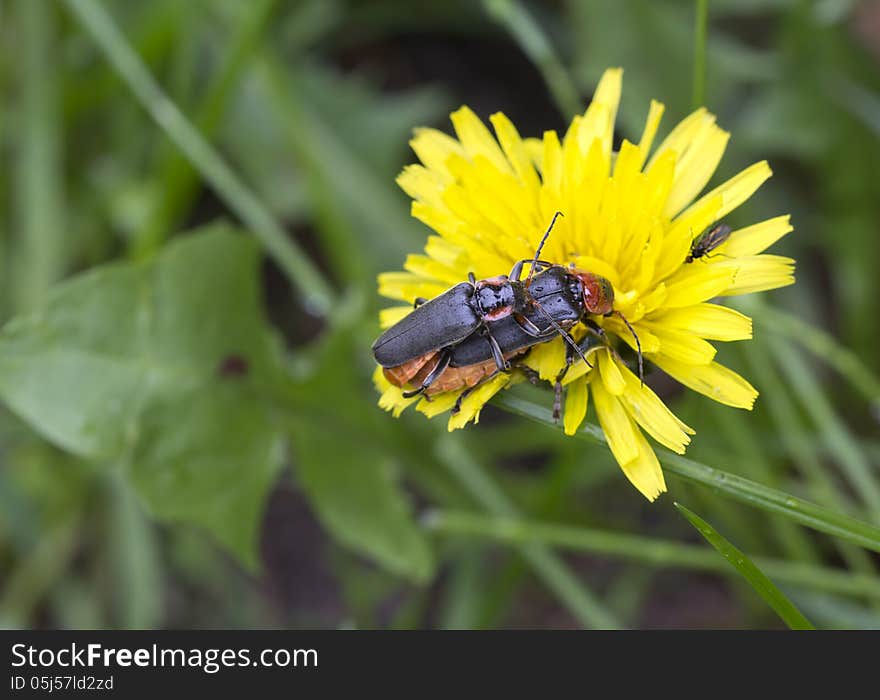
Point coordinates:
[[587, 343], [531, 374], [472, 278], [557, 400], [461, 397], [566, 336], [557, 385], [418, 301], [497, 355], [638, 346], [439, 368], [527, 326]]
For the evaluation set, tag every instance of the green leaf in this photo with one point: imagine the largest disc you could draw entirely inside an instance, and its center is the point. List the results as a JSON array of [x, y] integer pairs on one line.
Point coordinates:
[[124, 365], [343, 467], [763, 586], [360, 503], [209, 457]]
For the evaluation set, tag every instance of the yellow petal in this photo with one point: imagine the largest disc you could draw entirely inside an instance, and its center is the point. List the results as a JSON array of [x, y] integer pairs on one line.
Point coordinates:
[[443, 222], [682, 134], [423, 185], [515, 150], [445, 252], [648, 341], [547, 359], [388, 317], [477, 139], [682, 345], [474, 402], [576, 399], [535, 149], [406, 286], [598, 121], [709, 321], [738, 188], [628, 162], [652, 300], [610, 373], [551, 171], [713, 380], [696, 282], [644, 472], [655, 113], [608, 90], [392, 397], [440, 403], [756, 238], [620, 432], [431, 269], [434, 148], [646, 408], [695, 166], [758, 273]]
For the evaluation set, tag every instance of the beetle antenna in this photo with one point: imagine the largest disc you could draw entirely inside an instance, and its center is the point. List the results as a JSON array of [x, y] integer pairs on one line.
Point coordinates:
[[559, 329], [540, 247], [638, 345]]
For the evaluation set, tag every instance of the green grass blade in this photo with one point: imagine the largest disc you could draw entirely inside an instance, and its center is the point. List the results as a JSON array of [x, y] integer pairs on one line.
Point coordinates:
[[823, 345], [38, 254], [531, 39], [723, 483], [650, 551], [763, 586], [789, 427], [741, 440], [701, 23], [828, 424], [546, 565], [179, 179], [304, 276]]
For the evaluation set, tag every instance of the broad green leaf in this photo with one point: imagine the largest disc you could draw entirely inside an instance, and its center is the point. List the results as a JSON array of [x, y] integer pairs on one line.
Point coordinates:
[[209, 457], [763, 586], [163, 367], [343, 465]]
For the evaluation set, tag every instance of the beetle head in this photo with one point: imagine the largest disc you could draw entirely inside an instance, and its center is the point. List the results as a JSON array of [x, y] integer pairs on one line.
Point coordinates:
[[598, 293]]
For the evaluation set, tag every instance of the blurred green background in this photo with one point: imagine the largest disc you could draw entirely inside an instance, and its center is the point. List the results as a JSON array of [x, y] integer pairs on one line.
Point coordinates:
[[187, 441]]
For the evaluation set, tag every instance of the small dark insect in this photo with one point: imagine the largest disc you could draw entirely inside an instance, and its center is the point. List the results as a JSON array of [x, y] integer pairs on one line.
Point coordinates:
[[708, 241], [233, 366]]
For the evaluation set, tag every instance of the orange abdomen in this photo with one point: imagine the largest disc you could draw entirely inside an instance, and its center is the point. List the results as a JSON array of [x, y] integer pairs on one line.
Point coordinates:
[[414, 372]]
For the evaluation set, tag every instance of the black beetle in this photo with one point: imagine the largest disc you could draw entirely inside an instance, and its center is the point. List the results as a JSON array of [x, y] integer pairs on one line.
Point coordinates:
[[449, 318], [558, 298], [469, 364], [714, 235], [493, 319]]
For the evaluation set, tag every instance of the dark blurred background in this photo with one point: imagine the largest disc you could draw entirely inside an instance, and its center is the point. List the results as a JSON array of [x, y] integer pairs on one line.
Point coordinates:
[[312, 104]]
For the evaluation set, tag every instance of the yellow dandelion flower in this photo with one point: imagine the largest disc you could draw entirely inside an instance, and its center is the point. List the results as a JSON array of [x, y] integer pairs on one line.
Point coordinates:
[[632, 217]]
